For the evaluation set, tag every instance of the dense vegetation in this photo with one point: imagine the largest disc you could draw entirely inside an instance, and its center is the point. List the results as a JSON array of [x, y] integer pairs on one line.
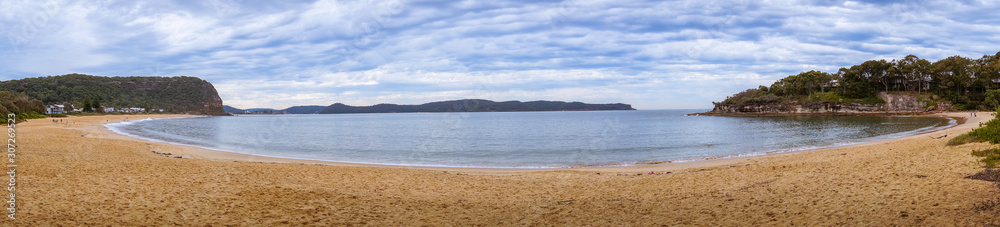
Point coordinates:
[[967, 83], [474, 105], [172, 94], [21, 105]]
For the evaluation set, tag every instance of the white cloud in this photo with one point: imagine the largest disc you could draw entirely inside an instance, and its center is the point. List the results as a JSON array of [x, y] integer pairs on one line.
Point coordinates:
[[655, 54]]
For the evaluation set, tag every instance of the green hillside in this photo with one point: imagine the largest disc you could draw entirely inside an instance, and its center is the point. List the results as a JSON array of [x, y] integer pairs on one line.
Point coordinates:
[[965, 82], [172, 94]]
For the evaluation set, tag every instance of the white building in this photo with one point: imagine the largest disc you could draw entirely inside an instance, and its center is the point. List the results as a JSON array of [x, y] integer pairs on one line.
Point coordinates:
[[54, 109]]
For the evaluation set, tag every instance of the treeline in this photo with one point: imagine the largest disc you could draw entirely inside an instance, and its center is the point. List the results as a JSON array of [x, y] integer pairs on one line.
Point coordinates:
[[967, 83], [20, 104], [172, 94]]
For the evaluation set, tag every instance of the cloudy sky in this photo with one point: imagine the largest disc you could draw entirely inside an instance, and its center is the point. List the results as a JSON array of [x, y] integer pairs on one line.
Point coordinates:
[[652, 54]]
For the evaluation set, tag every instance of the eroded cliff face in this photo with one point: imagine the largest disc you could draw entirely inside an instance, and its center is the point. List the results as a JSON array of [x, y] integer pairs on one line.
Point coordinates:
[[189, 95], [211, 102], [894, 103], [912, 103]]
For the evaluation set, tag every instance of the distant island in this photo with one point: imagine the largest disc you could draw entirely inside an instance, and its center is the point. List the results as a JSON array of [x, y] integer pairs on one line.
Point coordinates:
[[908, 85], [289, 110], [465, 105]]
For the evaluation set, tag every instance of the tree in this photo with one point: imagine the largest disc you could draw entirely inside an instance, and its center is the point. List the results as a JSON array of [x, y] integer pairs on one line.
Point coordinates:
[[97, 105], [952, 77], [912, 72], [804, 83], [879, 71], [19, 104], [992, 100], [988, 71], [68, 106], [87, 107], [854, 84]]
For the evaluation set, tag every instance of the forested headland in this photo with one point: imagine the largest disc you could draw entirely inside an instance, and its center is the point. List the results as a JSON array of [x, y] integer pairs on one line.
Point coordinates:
[[180, 94], [958, 82]]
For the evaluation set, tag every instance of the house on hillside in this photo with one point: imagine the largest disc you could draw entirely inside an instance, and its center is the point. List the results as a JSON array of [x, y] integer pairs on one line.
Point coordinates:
[[55, 109], [134, 110], [832, 84]]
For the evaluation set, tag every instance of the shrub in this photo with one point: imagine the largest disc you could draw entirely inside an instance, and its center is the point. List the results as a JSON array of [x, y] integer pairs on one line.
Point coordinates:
[[751, 96], [988, 131], [991, 157], [963, 139], [873, 100], [30, 116], [827, 97]]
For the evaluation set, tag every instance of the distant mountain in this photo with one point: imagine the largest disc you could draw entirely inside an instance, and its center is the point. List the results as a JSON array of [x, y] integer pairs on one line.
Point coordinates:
[[233, 110], [181, 94], [289, 110], [263, 110], [474, 105], [303, 109]]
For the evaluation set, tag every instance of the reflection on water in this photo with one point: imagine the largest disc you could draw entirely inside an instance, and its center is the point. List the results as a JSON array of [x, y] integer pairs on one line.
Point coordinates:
[[522, 139]]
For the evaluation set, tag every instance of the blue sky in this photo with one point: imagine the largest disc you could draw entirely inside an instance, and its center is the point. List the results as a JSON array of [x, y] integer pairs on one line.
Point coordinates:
[[651, 54]]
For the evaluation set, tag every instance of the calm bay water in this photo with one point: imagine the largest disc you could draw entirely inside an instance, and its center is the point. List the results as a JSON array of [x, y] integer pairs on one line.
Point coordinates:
[[522, 139]]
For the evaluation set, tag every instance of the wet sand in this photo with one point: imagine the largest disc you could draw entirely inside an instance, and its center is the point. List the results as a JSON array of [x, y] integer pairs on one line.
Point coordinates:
[[83, 174]]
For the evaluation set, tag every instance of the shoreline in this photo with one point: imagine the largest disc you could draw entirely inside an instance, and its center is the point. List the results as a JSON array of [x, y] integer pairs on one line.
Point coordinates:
[[226, 155], [81, 173], [723, 161], [792, 114]]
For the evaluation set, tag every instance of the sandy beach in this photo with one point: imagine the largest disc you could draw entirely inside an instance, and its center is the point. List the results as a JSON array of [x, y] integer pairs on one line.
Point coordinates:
[[81, 173]]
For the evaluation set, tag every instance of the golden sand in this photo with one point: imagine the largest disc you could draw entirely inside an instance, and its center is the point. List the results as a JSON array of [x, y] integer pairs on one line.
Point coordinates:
[[83, 174]]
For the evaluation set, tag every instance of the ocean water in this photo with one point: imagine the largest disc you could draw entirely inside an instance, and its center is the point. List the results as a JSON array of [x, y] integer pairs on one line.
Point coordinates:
[[522, 139]]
